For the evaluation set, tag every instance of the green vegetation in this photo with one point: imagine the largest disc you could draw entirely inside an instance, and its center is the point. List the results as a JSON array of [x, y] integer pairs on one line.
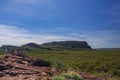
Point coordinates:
[[68, 76], [2, 51], [69, 44], [103, 63], [106, 62]]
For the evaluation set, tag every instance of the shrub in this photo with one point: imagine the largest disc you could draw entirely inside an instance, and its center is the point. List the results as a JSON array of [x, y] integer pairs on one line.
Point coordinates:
[[68, 76], [40, 62], [114, 72]]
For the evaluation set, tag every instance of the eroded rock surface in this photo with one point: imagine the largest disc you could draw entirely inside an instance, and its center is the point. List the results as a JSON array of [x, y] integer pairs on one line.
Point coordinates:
[[16, 68]]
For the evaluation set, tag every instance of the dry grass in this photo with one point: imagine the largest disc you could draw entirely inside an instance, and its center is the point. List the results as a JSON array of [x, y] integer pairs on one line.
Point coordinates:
[[2, 57]]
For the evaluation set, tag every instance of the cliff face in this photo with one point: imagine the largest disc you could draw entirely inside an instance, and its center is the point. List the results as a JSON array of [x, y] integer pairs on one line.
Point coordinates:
[[70, 44]]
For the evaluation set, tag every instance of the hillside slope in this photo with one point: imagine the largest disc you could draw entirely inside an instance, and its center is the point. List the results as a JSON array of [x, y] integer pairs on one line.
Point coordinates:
[[47, 47]]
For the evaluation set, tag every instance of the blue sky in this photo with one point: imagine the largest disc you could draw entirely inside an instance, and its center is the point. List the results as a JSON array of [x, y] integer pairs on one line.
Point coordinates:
[[94, 21]]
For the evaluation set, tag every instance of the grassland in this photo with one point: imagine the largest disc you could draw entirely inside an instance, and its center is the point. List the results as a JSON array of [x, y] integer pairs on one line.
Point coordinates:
[[98, 62], [103, 63]]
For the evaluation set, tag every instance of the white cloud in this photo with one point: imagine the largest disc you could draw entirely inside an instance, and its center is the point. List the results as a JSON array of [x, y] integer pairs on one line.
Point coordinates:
[[100, 39], [13, 35]]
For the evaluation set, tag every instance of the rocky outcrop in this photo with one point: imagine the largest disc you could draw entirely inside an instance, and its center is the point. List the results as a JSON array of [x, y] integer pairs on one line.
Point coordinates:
[[15, 68], [69, 44]]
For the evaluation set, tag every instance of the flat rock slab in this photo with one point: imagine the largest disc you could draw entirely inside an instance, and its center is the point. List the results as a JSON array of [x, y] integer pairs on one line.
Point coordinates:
[[16, 68]]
